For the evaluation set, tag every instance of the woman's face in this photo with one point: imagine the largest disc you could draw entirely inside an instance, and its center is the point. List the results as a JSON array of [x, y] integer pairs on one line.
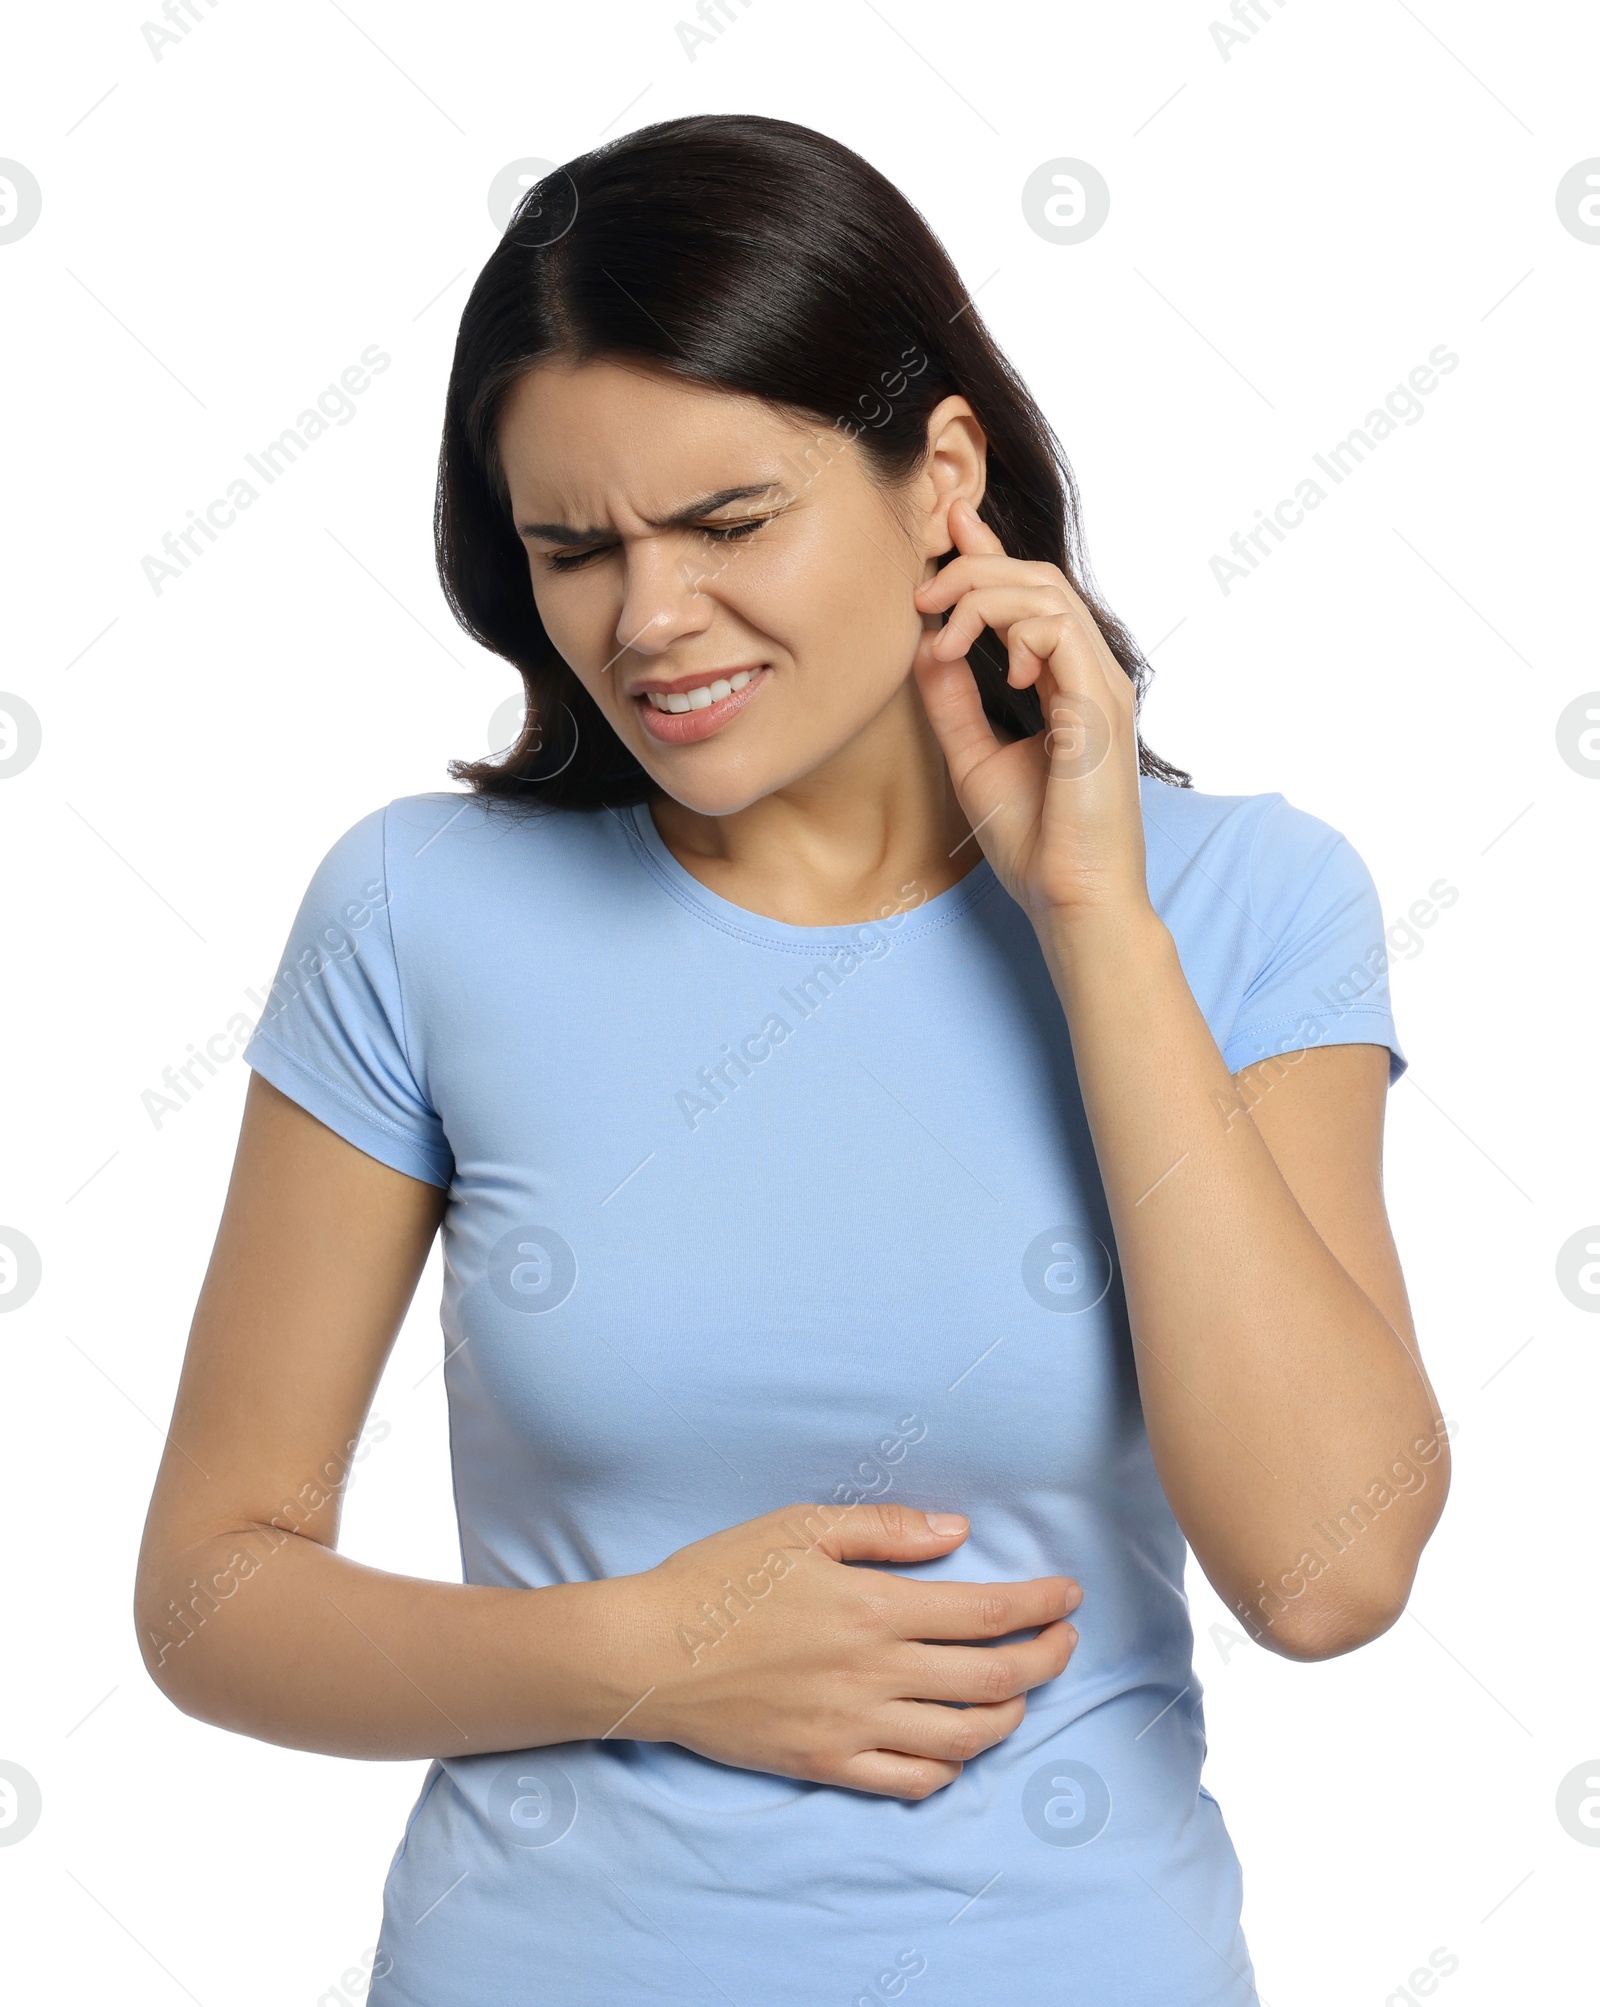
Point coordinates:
[[726, 583]]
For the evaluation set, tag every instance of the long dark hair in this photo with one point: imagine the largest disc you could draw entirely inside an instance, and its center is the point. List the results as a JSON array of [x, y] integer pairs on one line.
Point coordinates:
[[758, 257]]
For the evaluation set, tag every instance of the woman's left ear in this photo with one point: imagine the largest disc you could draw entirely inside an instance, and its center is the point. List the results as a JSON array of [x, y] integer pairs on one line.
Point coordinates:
[[957, 455]]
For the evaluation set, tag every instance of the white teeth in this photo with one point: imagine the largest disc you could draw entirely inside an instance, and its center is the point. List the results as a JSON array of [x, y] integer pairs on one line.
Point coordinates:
[[706, 695]]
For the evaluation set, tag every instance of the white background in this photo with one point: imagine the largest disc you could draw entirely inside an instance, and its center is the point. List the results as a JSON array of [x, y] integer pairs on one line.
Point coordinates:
[[1292, 229]]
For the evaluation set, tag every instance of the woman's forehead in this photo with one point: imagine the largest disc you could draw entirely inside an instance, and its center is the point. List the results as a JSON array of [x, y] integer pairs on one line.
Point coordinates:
[[581, 443]]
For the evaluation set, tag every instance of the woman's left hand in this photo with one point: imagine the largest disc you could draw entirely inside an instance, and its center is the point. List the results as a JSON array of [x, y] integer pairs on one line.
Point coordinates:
[[1058, 814]]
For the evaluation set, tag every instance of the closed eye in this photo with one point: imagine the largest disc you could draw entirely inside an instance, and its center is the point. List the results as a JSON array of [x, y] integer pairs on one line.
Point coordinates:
[[719, 533]]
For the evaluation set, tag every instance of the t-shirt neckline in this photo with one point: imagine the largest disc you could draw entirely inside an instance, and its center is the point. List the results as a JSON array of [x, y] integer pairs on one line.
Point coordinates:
[[907, 923]]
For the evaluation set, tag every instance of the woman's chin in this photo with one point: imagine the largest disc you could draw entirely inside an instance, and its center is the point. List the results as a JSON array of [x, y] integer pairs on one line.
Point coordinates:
[[706, 794], [720, 778]]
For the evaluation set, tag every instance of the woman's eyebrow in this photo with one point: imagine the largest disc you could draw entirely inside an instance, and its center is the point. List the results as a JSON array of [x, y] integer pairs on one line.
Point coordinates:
[[564, 533]]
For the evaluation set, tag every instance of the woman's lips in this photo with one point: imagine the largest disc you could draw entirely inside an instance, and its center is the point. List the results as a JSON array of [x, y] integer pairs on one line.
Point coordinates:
[[682, 728]]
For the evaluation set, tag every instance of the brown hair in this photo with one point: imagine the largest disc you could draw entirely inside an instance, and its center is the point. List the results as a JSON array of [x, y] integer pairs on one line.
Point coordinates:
[[758, 257]]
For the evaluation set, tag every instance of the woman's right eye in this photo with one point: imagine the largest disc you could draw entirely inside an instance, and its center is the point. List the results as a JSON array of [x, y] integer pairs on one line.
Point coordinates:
[[722, 533]]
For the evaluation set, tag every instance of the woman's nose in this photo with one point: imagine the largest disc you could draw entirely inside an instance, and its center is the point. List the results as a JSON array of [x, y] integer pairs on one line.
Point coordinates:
[[664, 599]]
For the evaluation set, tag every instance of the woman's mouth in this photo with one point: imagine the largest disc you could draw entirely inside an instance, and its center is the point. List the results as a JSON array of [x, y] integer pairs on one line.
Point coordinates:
[[679, 717]]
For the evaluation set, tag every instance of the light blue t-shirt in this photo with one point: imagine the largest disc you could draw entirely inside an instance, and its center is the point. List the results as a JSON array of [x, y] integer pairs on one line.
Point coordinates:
[[744, 1214]]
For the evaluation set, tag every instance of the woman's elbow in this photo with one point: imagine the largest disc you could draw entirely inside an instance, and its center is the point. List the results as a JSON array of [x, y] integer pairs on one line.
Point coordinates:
[[1328, 1627], [172, 1609]]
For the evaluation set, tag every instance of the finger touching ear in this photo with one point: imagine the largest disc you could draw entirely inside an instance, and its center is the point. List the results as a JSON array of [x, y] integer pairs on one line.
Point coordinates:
[[955, 710]]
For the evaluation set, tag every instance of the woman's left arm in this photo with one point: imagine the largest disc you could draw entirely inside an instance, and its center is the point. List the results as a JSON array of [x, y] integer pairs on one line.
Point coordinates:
[[1277, 1361], [1293, 1427]]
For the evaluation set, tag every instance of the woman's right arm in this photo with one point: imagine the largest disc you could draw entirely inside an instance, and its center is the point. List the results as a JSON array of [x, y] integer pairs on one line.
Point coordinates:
[[248, 1617]]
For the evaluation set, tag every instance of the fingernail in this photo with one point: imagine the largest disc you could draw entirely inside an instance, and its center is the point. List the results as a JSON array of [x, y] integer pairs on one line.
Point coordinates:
[[946, 1522], [1072, 1632]]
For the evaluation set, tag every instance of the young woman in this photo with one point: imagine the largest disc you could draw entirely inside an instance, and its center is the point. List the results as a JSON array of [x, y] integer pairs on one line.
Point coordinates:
[[907, 1163]]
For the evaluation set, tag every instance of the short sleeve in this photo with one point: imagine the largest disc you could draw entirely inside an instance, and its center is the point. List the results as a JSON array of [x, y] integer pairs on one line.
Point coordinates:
[[1323, 978], [333, 1033]]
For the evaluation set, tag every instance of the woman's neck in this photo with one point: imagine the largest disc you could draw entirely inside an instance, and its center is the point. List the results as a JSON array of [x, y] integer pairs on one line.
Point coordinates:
[[875, 829]]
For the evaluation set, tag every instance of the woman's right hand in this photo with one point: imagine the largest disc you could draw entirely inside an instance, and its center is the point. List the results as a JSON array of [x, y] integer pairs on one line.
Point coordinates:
[[760, 1647]]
